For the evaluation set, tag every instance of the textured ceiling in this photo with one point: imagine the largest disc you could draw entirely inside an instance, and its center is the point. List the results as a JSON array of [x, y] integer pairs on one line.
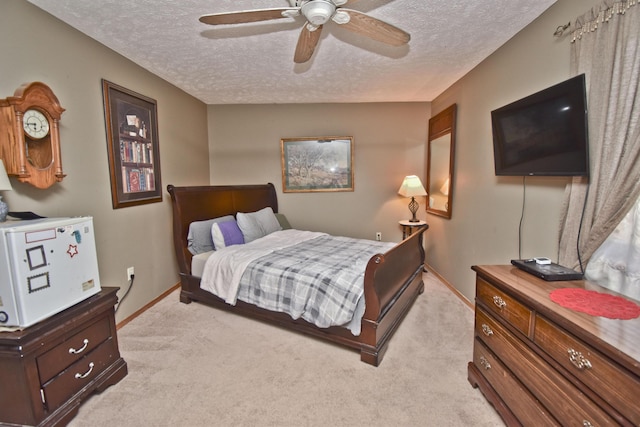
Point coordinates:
[[253, 63]]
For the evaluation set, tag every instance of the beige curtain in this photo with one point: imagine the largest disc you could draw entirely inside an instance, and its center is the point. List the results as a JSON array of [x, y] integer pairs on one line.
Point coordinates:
[[606, 47]]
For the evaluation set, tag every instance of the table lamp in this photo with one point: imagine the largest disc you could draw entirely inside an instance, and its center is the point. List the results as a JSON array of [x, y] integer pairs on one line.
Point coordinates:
[[412, 187], [5, 185]]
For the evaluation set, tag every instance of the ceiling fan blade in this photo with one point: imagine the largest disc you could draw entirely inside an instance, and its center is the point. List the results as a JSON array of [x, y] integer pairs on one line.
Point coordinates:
[[247, 16], [307, 43], [374, 28]]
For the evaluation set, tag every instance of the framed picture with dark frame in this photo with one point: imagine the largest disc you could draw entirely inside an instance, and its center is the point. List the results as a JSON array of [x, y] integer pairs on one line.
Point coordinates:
[[317, 164], [131, 122]]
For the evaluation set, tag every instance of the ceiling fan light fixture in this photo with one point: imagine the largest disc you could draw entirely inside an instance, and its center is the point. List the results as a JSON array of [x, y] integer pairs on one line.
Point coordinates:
[[318, 12], [341, 17], [291, 13]]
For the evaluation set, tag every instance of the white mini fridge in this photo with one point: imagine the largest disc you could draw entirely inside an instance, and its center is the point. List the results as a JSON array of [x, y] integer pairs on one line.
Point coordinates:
[[46, 266]]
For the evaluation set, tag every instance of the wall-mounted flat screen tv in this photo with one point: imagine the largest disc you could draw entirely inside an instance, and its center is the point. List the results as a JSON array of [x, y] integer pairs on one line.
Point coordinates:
[[544, 133]]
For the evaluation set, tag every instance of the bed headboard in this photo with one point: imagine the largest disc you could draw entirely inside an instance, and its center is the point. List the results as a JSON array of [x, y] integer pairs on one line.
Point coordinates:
[[198, 203]]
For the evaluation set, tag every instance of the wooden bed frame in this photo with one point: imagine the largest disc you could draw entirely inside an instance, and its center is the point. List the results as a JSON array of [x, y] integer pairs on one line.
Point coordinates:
[[392, 283]]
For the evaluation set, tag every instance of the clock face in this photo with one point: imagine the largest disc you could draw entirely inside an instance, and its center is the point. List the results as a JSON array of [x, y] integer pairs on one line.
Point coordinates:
[[35, 124]]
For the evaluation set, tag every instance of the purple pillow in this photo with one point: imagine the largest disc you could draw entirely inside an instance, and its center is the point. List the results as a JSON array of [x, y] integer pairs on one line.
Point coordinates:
[[226, 234]]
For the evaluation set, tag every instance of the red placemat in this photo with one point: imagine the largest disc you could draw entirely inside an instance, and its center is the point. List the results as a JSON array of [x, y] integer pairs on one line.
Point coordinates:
[[595, 303]]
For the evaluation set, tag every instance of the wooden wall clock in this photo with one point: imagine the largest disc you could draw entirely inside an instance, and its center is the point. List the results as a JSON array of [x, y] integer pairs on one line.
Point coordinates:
[[30, 135]]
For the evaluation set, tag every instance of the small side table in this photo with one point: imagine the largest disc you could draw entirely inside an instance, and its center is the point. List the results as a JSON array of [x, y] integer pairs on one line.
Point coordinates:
[[50, 368], [408, 226]]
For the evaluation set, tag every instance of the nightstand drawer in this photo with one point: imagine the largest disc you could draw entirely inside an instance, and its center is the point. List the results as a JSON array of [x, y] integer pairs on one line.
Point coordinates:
[[504, 306], [592, 368], [64, 354], [78, 375]]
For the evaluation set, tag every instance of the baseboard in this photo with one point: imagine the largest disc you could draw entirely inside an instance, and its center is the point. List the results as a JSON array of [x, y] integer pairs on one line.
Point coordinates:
[[147, 306], [153, 302], [452, 288]]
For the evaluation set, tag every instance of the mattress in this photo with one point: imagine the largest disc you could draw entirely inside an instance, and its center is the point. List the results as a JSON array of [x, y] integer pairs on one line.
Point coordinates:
[[198, 262]]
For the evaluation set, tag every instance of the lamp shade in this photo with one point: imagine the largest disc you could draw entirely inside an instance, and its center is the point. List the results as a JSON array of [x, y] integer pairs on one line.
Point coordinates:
[[5, 184], [412, 187]]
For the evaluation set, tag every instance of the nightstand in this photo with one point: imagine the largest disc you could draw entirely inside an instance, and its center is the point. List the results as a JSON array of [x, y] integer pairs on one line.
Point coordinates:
[[49, 368], [408, 226]]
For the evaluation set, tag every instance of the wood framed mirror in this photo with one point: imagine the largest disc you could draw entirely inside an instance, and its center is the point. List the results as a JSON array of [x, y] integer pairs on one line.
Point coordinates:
[[440, 161]]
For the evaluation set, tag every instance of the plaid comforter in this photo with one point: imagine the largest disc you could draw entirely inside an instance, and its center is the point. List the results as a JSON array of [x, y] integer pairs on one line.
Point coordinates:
[[320, 280]]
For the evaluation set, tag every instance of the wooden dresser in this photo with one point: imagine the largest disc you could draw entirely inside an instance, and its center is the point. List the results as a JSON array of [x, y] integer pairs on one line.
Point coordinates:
[[48, 369], [541, 364]]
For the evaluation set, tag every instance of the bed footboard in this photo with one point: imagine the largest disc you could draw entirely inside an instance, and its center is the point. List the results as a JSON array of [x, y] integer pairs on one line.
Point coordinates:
[[392, 283]]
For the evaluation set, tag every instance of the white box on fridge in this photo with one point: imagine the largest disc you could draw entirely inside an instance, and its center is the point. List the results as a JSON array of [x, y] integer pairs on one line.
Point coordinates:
[[46, 266]]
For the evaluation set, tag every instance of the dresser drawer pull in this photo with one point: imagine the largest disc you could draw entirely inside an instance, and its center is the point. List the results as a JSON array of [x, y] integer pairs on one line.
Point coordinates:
[[578, 360], [485, 363], [81, 349], [499, 302], [586, 423], [80, 376], [487, 330]]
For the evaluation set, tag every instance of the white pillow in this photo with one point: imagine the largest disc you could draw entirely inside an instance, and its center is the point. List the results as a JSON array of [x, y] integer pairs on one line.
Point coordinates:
[[257, 224]]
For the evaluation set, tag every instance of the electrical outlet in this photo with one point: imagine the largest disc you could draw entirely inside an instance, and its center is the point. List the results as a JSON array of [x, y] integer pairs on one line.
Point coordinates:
[[130, 273], [378, 236]]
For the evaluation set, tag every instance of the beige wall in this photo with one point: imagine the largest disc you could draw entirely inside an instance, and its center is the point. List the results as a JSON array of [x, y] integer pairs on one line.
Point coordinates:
[[487, 209], [244, 147], [389, 142], [37, 47]]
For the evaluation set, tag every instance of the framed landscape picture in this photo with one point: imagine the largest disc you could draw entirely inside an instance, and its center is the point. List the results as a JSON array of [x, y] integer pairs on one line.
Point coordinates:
[[317, 164], [132, 145]]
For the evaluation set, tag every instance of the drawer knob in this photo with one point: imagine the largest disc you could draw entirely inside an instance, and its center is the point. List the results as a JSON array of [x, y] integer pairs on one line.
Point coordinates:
[[485, 363], [499, 302], [81, 349], [586, 423], [487, 330], [578, 360], [86, 374]]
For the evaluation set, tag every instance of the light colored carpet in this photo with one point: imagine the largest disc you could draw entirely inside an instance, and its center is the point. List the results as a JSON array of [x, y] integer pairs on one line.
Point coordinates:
[[232, 371]]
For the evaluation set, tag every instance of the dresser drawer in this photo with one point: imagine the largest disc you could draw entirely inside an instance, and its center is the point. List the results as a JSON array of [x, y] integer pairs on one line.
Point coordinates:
[[563, 400], [78, 375], [64, 354], [521, 403], [504, 306], [592, 368]]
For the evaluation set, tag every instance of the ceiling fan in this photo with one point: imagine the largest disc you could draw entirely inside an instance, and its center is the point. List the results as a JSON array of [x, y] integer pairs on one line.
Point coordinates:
[[317, 13]]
